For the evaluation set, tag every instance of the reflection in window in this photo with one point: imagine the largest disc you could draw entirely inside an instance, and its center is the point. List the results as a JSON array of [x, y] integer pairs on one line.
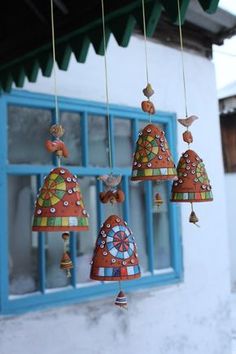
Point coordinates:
[[98, 142], [123, 142], [72, 137], [27, 130]]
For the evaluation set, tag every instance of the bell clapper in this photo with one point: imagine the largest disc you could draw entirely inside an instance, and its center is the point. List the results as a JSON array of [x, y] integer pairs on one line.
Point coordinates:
[[121, 299], [66, 262], [193, 217]]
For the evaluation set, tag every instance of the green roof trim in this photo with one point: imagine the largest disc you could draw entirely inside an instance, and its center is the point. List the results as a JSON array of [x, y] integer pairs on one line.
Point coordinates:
[[120, 22]]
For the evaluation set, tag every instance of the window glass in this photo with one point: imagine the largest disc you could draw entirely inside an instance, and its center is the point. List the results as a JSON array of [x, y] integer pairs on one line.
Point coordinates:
[[72, 137], [28, 129], [98, 142], [123, 142], [22, 253]]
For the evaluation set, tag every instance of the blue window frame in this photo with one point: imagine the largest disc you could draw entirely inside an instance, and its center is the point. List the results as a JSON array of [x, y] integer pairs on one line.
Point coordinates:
[[10, 168]]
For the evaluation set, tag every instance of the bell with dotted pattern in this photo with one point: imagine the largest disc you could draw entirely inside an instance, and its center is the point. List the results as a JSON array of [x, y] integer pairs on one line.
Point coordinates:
[[115, 256], [60, 207]]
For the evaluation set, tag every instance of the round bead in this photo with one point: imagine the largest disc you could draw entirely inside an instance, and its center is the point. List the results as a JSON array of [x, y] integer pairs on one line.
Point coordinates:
[[203, 186], [108, 226], [193, 172], [163, 149], [113, 260], [62, 172], [132, 261], [117, 220], [104, 235], [52, 210], [135, 163], [101, 246], [185, 155], [68, 179], [158, 136], [168, 158], [208, 188], [78, 202], [188, 161], [187, 167], [102, 232], [176, 184], [104, 253], [84, 212], [162, 140], [195, 179], [124, 262], [103, 242], [139, 164], [91, 262], [149, 164], [185, 174], [149, 130], [193, 164], [65, 203], [74, 179], [70, 191], [160, 157], [180, 181], [39, 211]]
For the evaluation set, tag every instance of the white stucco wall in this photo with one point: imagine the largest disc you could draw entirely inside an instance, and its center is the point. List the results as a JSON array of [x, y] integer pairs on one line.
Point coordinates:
[[230, 182], [193, 317]]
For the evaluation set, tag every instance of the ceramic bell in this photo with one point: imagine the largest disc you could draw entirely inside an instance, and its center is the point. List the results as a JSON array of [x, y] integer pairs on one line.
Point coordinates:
[[59, 206], [115, 256], [193, 184], [152, 158]]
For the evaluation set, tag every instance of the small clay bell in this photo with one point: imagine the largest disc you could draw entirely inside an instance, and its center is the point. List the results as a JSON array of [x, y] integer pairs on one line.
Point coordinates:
[[148, 91], [187, 137], [66, 263], [148, 107], [193, 218], [158, 200], [121, 300]]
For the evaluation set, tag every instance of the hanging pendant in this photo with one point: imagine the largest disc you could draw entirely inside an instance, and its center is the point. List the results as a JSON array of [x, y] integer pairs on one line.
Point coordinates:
[[121, 300]]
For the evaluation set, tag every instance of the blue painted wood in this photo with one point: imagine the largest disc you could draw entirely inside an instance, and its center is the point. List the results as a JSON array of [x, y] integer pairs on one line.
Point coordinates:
[[74, 294], [4, 282], [73, 252], [41, 250], [84, 139], [111, 148], [126, 204], [149, 224]]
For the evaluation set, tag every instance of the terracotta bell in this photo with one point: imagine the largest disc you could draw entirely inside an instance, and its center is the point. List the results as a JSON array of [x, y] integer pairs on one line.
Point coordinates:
[[193, 184], [59, 205], [152, 159], [115, 256]]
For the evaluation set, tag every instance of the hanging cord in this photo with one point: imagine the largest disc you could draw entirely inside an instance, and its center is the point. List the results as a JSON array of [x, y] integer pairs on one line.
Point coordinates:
[[145, 40], [145, 46], [54, 63], [110, 151], [182, 57]]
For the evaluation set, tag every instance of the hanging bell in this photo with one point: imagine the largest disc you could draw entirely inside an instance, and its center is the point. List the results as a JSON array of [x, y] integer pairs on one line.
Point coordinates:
[[152, 159], [115, 255], [66, 263], [112, 193], [193, 184], [121, 300], [193, 218], [59, 206], [158, 199]]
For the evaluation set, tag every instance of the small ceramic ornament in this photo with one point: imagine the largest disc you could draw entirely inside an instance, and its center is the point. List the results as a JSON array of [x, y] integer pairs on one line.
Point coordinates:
[[57, 145], [115, 256], [112, 194], [121, 300], [152, 159]]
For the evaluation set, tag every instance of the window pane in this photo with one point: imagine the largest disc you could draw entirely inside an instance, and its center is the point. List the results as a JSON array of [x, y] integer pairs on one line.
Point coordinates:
[[161, 228], [22, 250], [72, 137], [123, 142], [98, 142], [28, 128], [138, 222]]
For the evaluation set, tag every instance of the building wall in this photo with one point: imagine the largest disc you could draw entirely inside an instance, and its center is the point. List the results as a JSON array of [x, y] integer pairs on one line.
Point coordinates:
[[189, 318], [230, 179]]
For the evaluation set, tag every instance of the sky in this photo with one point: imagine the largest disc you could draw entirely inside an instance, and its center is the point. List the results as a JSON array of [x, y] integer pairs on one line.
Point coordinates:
[[225, 56]]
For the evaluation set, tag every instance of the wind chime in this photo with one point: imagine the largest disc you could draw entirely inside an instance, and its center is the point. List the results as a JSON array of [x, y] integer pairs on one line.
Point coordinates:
[[59, 205], [152, 159], [192, 184], [115, 255]]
